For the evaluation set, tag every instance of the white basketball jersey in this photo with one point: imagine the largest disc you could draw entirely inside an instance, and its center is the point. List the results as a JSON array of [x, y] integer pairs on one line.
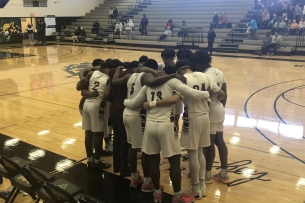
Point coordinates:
[[199, 81], [133, 88], [217, 111], [98, 82], [162, 114]]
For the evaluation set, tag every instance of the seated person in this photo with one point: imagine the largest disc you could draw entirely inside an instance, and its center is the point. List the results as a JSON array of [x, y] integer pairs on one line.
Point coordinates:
[[167, 33], [183, 30], [118, 28], [287, 30], [215, 20], [282, 26], [265, 19], [82, 36], [275, 27], [222, 21], [273, 21], [116, 12], [95, 27], [110, 15], [76, 34], [293, 28], [266, 44], [170, 24], [302, 26], [276, 42]]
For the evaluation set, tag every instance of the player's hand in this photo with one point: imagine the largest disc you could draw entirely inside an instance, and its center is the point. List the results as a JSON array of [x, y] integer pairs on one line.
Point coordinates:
[[159, 73], [94, 93], [210, 91], [120, 67], [146, 105], [82, 84], [180, 77]]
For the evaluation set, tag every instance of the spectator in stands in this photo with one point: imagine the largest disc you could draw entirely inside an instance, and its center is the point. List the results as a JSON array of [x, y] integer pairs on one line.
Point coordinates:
[[167, 33], [254, 28], [118, 28], [110, 15], [211, 39], [266, 44], [30, 31], [142, 60], [298, 13], [95, 27], [287, 30], [275, 27], [282, 26], [215, 20], [259, 18], [82, 35], [182, 30], [273, 21], [128, 27], [302, 26], [272, 9], [222, 21], [116, 12], [169, 25], [143, 25], [293, 28], [276, 42], [265, 19], [76, 34]]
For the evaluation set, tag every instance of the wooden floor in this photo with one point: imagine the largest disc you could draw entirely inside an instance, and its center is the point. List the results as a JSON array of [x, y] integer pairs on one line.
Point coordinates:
[[264, 125]]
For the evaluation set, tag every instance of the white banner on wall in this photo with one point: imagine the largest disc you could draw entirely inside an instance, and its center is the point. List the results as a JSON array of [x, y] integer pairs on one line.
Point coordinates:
[[4, 3]]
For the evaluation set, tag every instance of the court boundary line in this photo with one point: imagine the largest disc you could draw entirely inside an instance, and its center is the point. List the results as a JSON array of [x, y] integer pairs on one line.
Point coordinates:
[[259, 131]]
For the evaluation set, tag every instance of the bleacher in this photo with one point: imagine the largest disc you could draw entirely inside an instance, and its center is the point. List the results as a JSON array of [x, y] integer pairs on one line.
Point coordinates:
[[197, 14]]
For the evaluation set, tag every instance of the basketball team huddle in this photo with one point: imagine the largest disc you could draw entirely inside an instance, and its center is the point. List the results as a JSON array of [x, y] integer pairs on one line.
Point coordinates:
[[143, 102]]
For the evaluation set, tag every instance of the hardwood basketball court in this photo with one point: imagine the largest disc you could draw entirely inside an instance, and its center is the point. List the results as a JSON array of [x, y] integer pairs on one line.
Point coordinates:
[[264, 125]]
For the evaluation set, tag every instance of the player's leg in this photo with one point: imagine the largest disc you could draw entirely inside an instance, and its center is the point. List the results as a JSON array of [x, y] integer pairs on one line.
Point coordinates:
[[210, 154], [223, 154], [147, 185], [86, 126], [202, 171], [116, 144], [194, 167]]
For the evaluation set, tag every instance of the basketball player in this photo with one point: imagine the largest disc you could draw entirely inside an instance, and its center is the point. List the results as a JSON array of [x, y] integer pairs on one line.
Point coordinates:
[[202, 62], [168, 57], [160, 133], [93, 121]]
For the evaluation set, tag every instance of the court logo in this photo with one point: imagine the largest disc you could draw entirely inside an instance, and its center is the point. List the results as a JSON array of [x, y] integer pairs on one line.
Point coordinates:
[[74, 69]]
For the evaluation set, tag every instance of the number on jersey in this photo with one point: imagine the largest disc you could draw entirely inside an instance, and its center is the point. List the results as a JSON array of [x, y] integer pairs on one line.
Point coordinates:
[[132, 88], [96, 84], [197, 87], [159, 95]]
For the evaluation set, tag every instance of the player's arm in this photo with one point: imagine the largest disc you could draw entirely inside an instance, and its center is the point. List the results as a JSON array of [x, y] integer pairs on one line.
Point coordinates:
[[144, 69], [84, 83], [186, 91], [138, 100], [152, 81], [116, 80], [87, 94], [224, 89], [215, 89], [169, 101], [107, 92]]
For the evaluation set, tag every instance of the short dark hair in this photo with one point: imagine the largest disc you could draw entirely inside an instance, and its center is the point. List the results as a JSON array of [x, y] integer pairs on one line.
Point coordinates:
[[168, 53], [97, 62], [201, 56], [133, 64], [143, 59], [184, 54], [169, 70], [112, 63], [182, 63], [151, 63]]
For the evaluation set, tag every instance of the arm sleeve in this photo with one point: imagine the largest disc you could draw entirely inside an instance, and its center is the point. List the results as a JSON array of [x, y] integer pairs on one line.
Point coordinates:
[[138, 100], [187, 91], [213, 85]]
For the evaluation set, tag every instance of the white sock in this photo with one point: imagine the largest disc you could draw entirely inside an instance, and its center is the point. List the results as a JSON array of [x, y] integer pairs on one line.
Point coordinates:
[[135, 176], [90, 159], [208, 174], [159, 192], [147, 180], [177, 194], [202, 183], [97, 161], [223, 172]]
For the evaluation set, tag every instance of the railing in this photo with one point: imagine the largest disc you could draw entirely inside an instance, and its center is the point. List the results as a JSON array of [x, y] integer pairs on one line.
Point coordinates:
[[194, 35], [300, 40]]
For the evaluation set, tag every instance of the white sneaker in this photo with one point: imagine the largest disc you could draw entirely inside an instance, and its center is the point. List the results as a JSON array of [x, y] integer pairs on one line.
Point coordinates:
[[203, 188], [196, 191]]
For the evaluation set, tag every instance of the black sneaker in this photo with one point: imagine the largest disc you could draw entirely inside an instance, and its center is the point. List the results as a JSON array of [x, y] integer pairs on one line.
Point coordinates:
[[89, 165], [101, 165], [106, 153]]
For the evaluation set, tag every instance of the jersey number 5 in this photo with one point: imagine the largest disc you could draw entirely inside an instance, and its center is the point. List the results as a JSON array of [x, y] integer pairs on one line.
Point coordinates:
[[96, 84], [159, 95]]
